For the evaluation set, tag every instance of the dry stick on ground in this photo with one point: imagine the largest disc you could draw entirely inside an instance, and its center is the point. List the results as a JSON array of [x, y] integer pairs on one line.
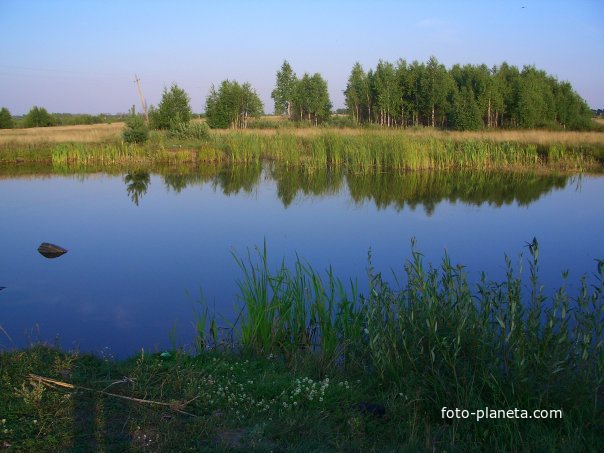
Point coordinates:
[[177, 406]]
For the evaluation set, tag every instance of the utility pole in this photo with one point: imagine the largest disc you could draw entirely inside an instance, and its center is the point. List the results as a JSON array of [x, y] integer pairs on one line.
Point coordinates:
[[140, 94]]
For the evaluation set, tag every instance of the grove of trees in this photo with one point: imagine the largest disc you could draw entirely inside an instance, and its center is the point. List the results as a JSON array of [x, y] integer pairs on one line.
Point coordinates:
[[301, 99], [232, 105], [463, 97], [38, 117]]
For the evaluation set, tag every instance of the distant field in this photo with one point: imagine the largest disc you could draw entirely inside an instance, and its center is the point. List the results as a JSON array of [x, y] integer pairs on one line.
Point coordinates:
[[539, 137], [95, 133], [100, 133]]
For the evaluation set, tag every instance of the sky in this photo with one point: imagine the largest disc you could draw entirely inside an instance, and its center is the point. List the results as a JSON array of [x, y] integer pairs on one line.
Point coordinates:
[[82, 56]]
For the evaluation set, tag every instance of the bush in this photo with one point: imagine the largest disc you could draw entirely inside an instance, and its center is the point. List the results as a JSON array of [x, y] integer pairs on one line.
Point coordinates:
[[136, 131], [340, 122], [6, 121], [191, 130]]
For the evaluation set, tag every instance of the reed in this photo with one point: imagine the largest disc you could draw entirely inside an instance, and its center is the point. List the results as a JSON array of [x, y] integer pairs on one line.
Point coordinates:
[[358, 151], [437, 339]]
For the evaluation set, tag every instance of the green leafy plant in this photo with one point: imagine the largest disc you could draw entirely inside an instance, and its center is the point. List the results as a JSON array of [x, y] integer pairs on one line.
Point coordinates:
[[173, 109], [6, 121], [135, 131], [191, 130]]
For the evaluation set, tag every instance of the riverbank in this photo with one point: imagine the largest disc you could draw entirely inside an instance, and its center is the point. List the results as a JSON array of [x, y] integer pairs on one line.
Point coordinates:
[[357, 150], [313, 365]]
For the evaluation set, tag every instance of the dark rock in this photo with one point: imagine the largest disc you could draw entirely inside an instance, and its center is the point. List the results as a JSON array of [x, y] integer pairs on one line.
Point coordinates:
[[51, 250], [2, 287]]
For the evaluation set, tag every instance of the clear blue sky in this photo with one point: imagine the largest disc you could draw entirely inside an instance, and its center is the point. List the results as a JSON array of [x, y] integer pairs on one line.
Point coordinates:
[[81, 56]]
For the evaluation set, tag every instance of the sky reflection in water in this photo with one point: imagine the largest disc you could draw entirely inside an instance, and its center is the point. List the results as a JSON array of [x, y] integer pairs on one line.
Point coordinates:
[[144, 248]]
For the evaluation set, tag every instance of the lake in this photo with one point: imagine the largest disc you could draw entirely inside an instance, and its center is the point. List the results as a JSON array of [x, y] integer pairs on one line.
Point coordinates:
[[147, 251]]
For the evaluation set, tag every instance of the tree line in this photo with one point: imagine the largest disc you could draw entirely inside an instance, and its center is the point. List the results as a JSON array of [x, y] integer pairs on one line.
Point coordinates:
[[39, 117], [463, 97], [397, 94]]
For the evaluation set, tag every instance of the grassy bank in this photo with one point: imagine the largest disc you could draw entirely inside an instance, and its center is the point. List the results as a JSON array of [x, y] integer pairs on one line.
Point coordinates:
[[318, 366], [359, 151]]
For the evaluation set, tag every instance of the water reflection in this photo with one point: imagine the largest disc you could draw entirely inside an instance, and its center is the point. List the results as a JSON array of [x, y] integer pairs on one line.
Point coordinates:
[[385, 190], [137, 184], [430, 188]]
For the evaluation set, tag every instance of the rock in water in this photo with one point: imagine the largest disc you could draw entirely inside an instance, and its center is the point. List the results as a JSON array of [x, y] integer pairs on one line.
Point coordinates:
[[51, 250], [2, 287]]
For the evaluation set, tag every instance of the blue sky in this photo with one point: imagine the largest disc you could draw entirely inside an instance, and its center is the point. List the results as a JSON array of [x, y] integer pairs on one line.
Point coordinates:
[[81, 56]]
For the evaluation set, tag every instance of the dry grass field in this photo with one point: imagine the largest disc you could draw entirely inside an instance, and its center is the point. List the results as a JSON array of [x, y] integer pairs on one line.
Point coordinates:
[[100, 133], [95, 133], [540, 137]]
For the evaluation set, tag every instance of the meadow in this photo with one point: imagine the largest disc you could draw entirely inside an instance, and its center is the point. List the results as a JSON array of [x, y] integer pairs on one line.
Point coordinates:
[[357, 149], [111, 133]]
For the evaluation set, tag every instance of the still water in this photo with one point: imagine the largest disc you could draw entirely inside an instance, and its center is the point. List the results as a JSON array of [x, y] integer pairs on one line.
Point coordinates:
[[147, 250]]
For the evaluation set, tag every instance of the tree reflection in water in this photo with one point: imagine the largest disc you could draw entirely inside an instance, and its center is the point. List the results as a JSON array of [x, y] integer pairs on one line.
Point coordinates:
[[137, 184]]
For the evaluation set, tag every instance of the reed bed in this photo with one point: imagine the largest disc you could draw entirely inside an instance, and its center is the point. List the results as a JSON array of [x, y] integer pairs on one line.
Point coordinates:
[[437, 341], [360, 151], [370, 152]]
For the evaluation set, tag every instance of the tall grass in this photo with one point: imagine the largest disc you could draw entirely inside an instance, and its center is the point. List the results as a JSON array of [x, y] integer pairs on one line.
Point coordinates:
[[358, 151], [376, 151], [438, 340]]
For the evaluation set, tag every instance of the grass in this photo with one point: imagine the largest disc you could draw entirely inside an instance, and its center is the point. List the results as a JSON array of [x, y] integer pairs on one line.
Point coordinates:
[[360, 150], [319, 366], [94, 133]]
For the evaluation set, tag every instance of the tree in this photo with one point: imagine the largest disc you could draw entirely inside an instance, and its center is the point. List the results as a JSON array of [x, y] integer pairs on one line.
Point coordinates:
[[174, 109], [387, 92], [405, 90], [435, 87], [232, 105], [466, 112], [311, 99], [415, 76], [354, 92], [284, 90], [38, 117], [6, 121]]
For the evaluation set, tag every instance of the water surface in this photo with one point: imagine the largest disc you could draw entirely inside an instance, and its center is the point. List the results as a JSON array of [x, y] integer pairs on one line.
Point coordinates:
[[144, 249]]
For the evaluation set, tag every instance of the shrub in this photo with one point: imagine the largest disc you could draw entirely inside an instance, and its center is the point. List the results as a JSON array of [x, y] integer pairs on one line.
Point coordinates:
[[6, 121], [136, 131], [191, 130]]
